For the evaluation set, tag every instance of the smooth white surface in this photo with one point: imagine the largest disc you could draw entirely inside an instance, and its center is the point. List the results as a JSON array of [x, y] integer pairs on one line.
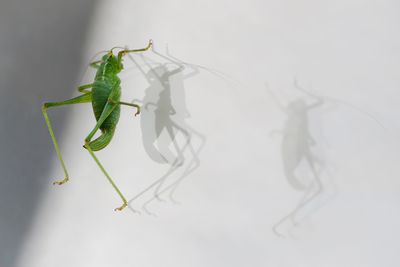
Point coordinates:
[[344, 50]]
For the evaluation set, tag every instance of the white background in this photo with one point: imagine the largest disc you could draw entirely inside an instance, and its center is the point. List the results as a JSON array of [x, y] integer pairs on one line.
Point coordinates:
[[341, 50]]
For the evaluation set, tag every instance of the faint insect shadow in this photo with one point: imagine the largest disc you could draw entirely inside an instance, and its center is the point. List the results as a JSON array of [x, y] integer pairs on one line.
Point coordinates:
[[302, 168], [167, 137]]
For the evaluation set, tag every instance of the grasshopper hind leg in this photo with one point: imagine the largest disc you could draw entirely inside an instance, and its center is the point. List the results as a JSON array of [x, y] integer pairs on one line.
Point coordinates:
[[85, 98], [108, 109]]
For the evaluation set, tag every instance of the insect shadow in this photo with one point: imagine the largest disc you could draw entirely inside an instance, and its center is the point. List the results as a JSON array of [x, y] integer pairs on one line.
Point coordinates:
[[302, 169], [166, 135]]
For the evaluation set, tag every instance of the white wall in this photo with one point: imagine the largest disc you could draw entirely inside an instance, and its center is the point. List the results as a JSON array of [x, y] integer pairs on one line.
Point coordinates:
[[346, 52]]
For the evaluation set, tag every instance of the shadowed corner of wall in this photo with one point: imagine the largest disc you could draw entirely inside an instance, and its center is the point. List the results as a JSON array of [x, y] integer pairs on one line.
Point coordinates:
[[34, 43]]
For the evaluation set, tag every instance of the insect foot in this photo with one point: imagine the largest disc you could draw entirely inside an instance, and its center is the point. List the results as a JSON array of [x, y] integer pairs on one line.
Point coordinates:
[[61, 182], [137, 111], [122, 207]]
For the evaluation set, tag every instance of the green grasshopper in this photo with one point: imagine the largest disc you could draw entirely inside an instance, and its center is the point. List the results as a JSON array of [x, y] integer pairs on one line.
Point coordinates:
[[105, 97]]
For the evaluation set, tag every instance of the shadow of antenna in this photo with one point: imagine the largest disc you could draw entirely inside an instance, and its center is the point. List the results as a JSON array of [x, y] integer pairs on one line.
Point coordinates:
[[220, 74], [343, 102]]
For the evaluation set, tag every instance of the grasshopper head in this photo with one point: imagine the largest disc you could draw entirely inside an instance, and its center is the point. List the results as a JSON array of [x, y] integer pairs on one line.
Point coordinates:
[[112, 60]]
